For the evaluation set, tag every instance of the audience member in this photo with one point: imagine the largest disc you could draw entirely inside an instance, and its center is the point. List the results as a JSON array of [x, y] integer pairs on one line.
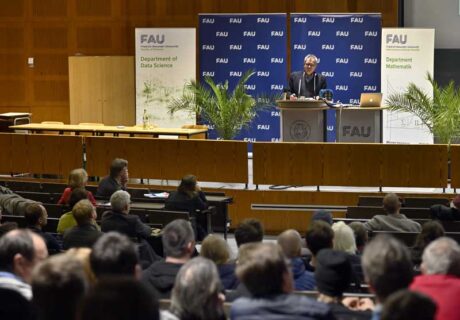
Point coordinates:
[[322, 215], [5, 227], [405, 304], [36, 218], [387, 268], [58, 286], [178, 246], [344, 240], [393, 220], [361, 236], [86, 233], [440, 279], [215, 248], [333, 276], [13, 305], [431, 231], [120, 298], [12, 203], [196, 293], [116, 180], [319, 236], [115, 254], [189, 197], [249, 230], [291, 243], [82, 255], [263, 269], [67, 220], [77, 179], [447, 213], [20, 251]]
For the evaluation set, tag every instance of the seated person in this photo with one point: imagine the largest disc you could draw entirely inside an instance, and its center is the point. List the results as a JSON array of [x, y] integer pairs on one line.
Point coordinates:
[[67, 221], [36, 218], [116, 180], [431, 231], [442, 212], [189, 197], [319, 236], [12, 203], [77, 179], [249, 230]]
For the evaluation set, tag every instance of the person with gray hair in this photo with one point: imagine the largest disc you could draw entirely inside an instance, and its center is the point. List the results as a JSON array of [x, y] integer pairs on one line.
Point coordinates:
[[116, 180], [197, 293], [178, 246], [440, 279], [307, 83]]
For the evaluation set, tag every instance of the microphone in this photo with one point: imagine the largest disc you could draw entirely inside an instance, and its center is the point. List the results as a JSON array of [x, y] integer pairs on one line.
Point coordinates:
[[300, 82]]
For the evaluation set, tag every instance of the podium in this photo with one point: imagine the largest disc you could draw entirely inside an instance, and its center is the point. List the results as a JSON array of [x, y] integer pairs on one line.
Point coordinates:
[[302, 120], [358, 124]]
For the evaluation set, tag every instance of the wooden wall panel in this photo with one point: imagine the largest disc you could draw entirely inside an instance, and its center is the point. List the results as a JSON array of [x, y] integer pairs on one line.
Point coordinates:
[[49, 8], [50, 37], [5, 157], [11, 37], [455, 166], [10, 8]]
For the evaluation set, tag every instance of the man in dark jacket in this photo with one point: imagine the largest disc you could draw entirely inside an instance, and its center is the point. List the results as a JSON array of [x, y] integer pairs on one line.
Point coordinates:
[[36, 218], [447, 213], [116, 180], [307, 83], [178, 246], [86, 233]]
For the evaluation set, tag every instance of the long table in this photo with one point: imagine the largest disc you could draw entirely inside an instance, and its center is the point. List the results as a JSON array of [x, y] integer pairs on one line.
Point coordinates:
[[97, 130]]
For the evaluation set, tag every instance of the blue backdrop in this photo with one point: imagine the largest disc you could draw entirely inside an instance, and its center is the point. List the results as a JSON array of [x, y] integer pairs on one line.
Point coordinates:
[[232, 44], [348, 47]]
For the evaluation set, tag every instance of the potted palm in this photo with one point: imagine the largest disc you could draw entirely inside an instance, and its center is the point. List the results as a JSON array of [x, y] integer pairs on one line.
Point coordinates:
[[440, 113], [228, 111]]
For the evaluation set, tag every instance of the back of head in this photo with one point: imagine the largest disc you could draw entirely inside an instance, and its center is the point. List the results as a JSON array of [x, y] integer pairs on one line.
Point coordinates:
[[177, 236], [33, 213], [117, 167], [215, 248], [78, 178], [83, 212], [391, 203], [120, 298], [188, 184], [344, 238], [405, 304], [290, 242], [262, 268], [17, 241], [196, 291], [319, 235], [333, 272], [442, 256], [120, 200], [387, 266], [361, 236], [58, 285], [249, 230], [83, 255], [76, 195], [322, 215], [114, 254], [431, 231]]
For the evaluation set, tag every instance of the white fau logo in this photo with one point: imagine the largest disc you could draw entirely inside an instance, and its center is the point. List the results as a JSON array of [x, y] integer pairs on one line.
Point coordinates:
[[370, 60], [328, 74], [300, 20], [276, 60], [263, 47], [356, 74], [208, 74], [250, 139], [342, 33], [354, 101], [208, 20], [250, 87], [222, 60], [341, 87], [396, 39], [249, 33], [312, 33], [263, 127], [235, 73], [327, 47], [369, 33], [277, 33], [356, 20], [276, 87], [235, 20], [275, 114], [207, 47], [300, 47], [263, 20], [222, 34], [357, 47], [237, 47], [341, 60], [249, 60], [370, 88], [263, 73], [328, 20]]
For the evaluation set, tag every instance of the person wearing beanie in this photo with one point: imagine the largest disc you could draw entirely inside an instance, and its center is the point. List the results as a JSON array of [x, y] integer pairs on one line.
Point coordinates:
[[333, 275], [444, 212]]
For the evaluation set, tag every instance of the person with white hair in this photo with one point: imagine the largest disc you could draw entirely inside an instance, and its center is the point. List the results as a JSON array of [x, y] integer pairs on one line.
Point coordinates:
[[440, 279], [307, 83]]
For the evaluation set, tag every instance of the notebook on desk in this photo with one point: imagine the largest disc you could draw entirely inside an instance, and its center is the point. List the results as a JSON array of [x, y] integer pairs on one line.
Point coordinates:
[[371, 100]]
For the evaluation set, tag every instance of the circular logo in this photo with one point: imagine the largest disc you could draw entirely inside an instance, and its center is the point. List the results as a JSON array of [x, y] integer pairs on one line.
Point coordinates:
[[300, 130]]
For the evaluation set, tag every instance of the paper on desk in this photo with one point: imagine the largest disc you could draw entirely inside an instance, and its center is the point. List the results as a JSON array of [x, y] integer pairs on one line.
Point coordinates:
[[157, 195]]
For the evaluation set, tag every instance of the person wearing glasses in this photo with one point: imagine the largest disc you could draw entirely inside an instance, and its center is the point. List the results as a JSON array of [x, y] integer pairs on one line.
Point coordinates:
[[307, 83]]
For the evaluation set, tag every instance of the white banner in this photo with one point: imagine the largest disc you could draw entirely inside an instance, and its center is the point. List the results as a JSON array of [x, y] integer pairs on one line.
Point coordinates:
[[407, 56], [165, 62]]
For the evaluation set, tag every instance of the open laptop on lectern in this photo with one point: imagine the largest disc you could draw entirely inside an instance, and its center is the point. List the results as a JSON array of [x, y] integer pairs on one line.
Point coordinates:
[[371, 100]]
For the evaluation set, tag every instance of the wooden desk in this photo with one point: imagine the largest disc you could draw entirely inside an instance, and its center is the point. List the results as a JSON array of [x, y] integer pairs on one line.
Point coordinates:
[[115, 130]]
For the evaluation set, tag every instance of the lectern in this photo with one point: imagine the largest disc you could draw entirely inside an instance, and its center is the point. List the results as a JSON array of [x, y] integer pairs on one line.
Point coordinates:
[[302, 120], [359, 124]]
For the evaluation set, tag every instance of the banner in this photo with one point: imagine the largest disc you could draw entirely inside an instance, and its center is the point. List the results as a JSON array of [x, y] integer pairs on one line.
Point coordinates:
[[231, 44], [348, 49], [407, 56], [165, 61]]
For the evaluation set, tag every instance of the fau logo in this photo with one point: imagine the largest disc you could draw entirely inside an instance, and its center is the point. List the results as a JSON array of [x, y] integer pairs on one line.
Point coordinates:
[[354, 101], [153, 38], [370, 33], [276, 60], [235, 73], [222, 34], [314, 33], [249, 33], [341, 60], [356, 131], [222, 60], [263, 47], [263, 20], [328, 74], [208, 20], [277, 33], [300, 47], [249, 60], [396, 39], [275, 114], [275, 139], [342, 33], [358, 47], [370, 60], [250, 87], [356, 20], [235, 20], [208, 47], [370, 88], [328, 20], [235, 47], [356, 74], [208, 74], [327, 47], [300, 20], [263, 73], [263, 127], [276, 87], [341, 87], [250, 139]]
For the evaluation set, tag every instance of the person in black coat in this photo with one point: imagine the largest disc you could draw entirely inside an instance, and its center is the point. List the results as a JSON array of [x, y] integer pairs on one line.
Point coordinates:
[[189, 197], [307, 83], [446, 213]]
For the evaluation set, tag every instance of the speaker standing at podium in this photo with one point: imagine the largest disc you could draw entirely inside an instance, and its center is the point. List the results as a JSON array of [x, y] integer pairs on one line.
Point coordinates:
[[307, 83]]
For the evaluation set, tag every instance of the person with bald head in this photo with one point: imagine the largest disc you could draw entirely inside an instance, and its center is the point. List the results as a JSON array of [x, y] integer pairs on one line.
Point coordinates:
[[291, 244]]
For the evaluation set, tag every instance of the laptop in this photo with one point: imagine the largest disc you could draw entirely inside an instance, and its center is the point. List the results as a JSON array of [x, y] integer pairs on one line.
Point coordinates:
[[371, 100]]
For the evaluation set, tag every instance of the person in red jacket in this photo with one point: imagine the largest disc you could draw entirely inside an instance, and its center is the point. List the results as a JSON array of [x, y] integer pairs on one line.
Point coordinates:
[[77, 179]]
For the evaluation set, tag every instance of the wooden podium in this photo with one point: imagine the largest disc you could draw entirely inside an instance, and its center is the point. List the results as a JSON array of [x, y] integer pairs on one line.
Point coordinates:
[[302, 120]]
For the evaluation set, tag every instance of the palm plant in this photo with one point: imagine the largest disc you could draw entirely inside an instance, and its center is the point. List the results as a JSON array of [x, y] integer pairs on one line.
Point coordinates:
[[229, 112], [440, 113]]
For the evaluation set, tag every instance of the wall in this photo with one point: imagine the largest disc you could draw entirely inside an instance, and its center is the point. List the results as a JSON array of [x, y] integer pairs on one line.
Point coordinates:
[[51, 30]]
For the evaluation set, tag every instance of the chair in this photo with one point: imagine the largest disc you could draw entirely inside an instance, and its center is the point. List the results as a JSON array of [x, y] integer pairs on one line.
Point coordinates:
[[53, 123], [90, 124], [195, 126]]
